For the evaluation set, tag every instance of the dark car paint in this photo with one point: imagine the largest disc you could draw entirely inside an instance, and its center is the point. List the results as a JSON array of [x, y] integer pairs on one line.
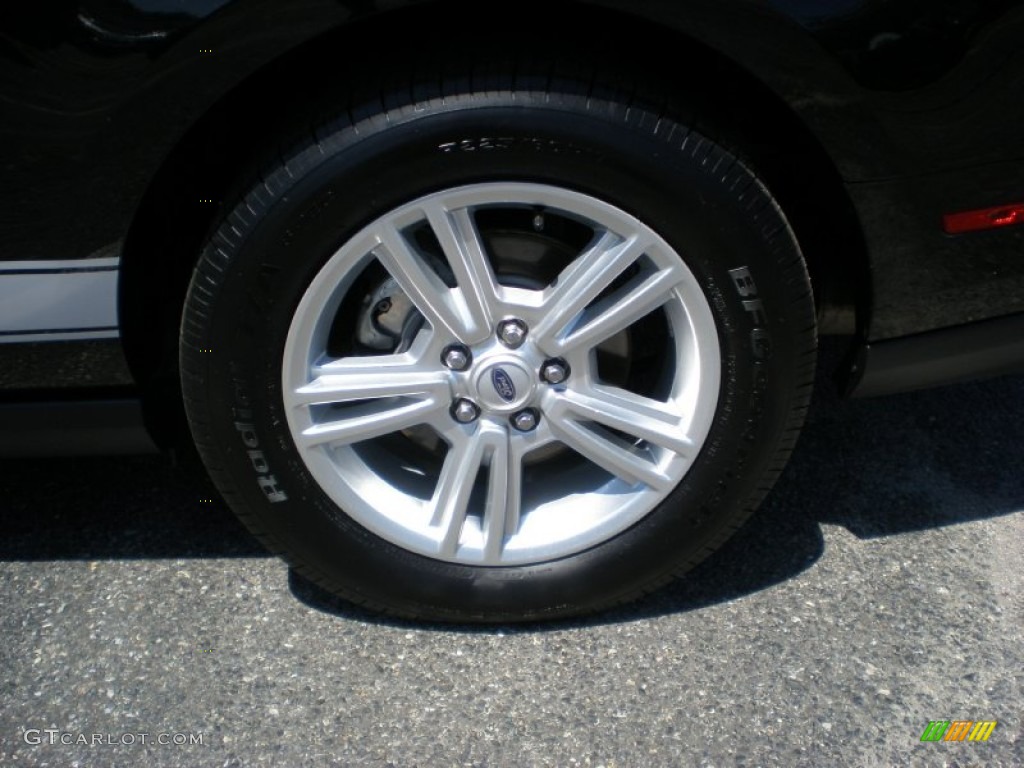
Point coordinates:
[[919, 105]]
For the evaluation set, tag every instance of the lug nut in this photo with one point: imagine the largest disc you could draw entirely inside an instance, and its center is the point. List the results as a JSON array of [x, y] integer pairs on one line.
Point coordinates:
[[512, 333], [526, 421], [456, 357], [465, 411], [554, 371]]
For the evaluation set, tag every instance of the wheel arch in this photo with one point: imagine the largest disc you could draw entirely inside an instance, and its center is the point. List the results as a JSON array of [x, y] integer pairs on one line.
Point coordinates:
[[238, 134]]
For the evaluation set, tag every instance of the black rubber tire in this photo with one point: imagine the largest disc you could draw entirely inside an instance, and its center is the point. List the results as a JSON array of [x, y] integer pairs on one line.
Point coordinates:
[[697, 195]]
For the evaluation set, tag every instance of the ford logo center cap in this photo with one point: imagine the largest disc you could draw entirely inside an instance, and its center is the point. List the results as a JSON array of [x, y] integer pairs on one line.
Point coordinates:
[[503, 385]]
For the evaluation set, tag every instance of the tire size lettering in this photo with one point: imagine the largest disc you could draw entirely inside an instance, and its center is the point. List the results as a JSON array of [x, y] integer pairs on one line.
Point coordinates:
[[472, 145], [486, 143], [760, 339]]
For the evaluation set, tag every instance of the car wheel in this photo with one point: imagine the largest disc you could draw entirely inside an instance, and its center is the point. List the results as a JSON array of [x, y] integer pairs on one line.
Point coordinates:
[[500, 354]]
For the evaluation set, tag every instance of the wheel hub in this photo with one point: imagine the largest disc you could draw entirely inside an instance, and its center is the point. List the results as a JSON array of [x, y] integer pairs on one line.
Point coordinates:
[[502, 383]]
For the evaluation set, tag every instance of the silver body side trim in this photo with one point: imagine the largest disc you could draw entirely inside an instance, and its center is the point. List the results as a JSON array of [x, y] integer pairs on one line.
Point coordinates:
[[58, 300]]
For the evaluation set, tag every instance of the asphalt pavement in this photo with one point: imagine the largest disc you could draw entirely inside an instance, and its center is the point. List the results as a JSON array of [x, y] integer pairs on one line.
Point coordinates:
[[880, 587]]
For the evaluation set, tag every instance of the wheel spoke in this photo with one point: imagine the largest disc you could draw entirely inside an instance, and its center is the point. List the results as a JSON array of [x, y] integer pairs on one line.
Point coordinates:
[[363, 378], [504, 497], [620, 310], [425, 289], [630, 413], [454, 486], [491, 445], [623, 461], [366, 421], [457, 233], [583, 280]]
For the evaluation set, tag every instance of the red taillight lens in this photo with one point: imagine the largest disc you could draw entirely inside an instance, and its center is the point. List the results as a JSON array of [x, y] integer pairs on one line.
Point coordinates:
[[985, 218]]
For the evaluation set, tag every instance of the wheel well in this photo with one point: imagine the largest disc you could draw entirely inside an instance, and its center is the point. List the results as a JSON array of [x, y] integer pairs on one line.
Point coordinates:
[[221, 154]]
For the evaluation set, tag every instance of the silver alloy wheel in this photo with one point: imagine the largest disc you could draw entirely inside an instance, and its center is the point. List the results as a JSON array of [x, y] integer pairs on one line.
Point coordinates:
[[601, 456]]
